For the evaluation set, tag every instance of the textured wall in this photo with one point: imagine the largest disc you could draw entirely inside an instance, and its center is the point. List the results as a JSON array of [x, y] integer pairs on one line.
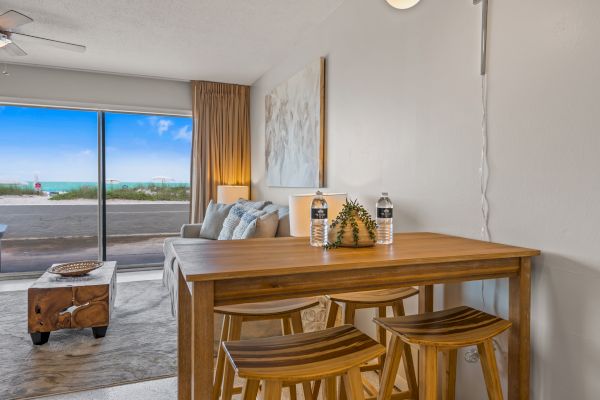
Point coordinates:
[[404, 116]]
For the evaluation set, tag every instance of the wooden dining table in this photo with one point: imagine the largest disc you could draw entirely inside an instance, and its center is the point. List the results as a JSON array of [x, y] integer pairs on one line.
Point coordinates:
[[218, 273]]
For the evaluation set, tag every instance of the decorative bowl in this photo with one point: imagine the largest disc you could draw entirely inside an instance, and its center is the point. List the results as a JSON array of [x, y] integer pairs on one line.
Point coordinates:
[[78, 268]]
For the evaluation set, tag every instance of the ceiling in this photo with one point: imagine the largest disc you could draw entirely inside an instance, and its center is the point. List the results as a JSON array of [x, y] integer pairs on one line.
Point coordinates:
[[232, 41]]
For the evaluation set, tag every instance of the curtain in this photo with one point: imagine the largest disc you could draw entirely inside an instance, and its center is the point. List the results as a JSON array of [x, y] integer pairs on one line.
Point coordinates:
[[221, 141]]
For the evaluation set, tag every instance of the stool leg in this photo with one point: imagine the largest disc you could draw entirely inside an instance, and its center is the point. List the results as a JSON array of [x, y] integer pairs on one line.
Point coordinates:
[[332, 312], [297, 327], [349, 314], [250, 390], [272, 390], [449, 377], [490, 370], [235, 332], [382, 334], [218, 381], [286, 327], [353, 383], [430, 379], [390, 369], [409, 364], [331, 388]]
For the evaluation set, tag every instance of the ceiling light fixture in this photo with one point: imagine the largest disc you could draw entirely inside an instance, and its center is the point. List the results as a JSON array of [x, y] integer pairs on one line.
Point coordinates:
[[4, 40], [403, 4]]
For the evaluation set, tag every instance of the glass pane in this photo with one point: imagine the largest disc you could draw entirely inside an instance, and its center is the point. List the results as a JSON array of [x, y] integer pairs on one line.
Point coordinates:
[[48, 190], [147, 184]]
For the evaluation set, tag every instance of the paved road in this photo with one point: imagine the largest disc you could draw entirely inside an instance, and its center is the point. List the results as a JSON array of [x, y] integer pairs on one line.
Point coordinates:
[[21, 255], [64, 220]]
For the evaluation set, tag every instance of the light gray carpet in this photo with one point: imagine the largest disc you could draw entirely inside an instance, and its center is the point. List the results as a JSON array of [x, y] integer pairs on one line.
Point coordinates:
[[141, 344]]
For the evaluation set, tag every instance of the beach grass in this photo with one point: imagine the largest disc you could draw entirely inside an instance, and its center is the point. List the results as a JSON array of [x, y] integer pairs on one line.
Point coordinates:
[[16, 190], [146, 193]]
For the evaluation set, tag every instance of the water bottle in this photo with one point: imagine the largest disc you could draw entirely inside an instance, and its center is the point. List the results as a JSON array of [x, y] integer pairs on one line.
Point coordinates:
[[318, 221], [385, 220]]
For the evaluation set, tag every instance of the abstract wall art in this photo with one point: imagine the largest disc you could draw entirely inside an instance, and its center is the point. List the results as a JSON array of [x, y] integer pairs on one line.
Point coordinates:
[[295, 129]]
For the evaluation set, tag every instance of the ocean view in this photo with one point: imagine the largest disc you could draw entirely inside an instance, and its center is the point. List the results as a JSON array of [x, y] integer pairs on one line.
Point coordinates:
[[71, 186]]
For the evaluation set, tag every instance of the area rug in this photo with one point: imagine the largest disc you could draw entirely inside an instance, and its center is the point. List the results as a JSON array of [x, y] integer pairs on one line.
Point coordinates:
[[141, 344]]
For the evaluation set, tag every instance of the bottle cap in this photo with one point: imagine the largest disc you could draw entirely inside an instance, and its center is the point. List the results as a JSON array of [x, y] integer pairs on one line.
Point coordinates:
[[384, 194]]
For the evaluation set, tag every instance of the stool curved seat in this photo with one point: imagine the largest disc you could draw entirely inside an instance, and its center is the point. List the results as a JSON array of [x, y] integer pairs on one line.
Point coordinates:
[[302, 357], [269, 308], [382, 296], [452, 328]]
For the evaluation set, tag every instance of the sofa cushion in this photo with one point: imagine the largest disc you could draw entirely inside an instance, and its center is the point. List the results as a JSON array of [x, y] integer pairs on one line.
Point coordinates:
[[213, 220]]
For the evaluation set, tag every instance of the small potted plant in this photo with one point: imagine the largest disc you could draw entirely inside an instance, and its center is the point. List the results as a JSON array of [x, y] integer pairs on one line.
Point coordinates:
[[353, 227]]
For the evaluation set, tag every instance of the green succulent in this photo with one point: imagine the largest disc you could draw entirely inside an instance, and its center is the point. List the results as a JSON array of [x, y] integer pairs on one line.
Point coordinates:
[[347, 218]]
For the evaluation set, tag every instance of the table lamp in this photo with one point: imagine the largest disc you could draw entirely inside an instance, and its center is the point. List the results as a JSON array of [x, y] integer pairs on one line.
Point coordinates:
[[227, 194], [300, 211]]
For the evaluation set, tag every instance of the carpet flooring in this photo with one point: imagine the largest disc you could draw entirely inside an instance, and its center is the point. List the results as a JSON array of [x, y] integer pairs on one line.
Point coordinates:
[[141, 344]]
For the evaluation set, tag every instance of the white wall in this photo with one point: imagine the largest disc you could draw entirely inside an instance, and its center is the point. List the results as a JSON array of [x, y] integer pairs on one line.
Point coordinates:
[[404, 116], [30, 85]]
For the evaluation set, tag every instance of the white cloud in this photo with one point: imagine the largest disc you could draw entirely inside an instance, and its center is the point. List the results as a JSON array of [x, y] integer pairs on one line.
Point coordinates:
[[161, 125], [86, 152], [184, 133]]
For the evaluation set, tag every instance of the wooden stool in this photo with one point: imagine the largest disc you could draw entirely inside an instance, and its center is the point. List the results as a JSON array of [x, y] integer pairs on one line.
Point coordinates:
[[288, 311], [379, 299], [306, 357], [444, 331]]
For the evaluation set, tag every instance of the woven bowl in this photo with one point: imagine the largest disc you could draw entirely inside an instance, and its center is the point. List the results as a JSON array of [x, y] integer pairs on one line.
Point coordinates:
[[78, 268]]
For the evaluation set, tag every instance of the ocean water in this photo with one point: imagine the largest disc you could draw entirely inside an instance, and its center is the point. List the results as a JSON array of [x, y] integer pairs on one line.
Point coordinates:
[[69, 186]]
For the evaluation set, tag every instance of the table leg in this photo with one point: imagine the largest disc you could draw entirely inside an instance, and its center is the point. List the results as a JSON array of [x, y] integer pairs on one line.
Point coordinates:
[[425, 305], [519, 339], [202, 339], [184, 339]]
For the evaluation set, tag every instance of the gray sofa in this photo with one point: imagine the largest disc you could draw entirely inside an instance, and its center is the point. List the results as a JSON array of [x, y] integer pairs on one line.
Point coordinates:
[[191, 233]]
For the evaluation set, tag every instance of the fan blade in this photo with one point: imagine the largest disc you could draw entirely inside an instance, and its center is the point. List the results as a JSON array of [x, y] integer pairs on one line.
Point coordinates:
[[12, 19], [14, 50], [55, 43]]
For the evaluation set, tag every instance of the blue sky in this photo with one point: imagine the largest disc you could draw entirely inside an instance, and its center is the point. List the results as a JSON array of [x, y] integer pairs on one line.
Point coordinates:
[[61, 145]]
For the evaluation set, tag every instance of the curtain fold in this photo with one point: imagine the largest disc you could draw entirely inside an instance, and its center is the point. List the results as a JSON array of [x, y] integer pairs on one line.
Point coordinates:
[[221, 141]]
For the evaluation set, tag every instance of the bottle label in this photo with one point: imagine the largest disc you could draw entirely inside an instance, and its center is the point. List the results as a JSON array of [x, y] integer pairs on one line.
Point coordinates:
[[385, 212], [318, 213]]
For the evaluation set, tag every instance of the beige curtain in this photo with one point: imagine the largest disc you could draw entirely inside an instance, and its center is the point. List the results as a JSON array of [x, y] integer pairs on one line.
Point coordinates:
[[221, 141]]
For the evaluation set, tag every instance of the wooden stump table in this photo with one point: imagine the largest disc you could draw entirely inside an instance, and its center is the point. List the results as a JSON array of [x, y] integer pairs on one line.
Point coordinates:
[[56, 302]]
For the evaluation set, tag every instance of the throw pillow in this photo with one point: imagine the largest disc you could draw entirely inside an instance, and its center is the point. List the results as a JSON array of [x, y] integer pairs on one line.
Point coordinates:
[[265, 226], [238, 220], [213, 220], [258, 204]]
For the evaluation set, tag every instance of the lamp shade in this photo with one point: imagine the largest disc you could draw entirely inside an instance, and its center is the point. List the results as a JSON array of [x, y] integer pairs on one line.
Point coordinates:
[[402, 4], [300, 211], [227, 194]]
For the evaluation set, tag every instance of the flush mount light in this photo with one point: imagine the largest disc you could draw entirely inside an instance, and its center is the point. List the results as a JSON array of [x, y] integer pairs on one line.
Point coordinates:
[[402, 4]]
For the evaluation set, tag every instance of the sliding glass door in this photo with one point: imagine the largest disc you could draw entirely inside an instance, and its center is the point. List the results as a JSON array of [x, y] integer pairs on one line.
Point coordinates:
[[48, 187], [147, 184], [80, 185]]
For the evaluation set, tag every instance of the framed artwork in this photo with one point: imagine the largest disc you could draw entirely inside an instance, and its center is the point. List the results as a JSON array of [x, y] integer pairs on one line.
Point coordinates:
[[295, 130]]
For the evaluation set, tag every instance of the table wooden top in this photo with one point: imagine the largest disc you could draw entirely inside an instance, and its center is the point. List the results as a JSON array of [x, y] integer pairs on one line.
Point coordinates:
[[101, 276], [218, 260]]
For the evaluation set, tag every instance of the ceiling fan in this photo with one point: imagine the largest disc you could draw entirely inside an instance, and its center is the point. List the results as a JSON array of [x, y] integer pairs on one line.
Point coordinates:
[[13, 19]]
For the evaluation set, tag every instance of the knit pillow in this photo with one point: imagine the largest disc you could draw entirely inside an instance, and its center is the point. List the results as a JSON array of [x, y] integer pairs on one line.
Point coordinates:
[[237, 222]]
